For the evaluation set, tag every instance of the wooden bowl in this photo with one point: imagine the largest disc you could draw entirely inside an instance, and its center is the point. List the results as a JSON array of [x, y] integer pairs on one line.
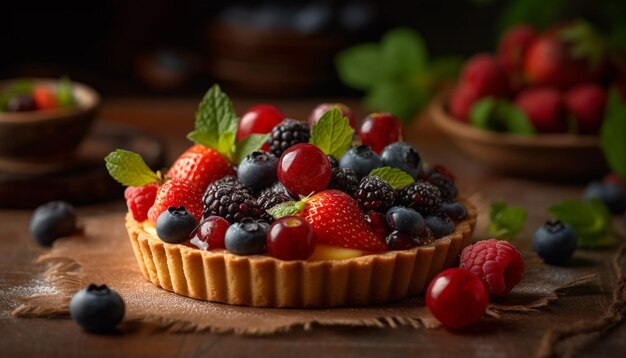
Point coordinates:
[[544, 156], [40, 136]]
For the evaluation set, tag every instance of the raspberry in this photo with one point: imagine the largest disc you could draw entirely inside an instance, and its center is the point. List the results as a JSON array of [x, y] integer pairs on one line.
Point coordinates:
[[140, 199], [497, 262], [374, 194], [230, 203], [445, 185], [268, 200], [344, 180], [421, 196], [286, 134]]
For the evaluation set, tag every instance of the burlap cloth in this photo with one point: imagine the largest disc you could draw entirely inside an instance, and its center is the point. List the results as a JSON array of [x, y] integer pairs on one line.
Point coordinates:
[[101, 253]]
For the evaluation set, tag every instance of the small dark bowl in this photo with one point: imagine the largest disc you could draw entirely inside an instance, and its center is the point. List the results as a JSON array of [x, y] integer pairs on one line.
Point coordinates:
[[48, 134]]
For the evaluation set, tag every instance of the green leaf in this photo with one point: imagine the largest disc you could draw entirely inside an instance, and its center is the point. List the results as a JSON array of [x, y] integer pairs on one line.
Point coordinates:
[[515, 121], [65, 96], [360, 66], [16, 88], [538, 13], [216, 122], [500, 115], [395, 177], [613, 132], [129, 168], [332, 133], [286, 209], [591, 220], [403, 51], [506, 222], [248, 145], [397, 98], [481, 113]]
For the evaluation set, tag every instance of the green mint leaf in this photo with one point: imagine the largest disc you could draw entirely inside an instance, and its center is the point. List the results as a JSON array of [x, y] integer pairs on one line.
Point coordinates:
[[16, 88], [286, 209], [481, 113], [248, 145], [332, 133], [360, 66], [129, 168], [403, 51], [65, 96], [515, 121], [613, 132], [215, 120], [506, 222], [500, 116], [397, 178], [591, 220]]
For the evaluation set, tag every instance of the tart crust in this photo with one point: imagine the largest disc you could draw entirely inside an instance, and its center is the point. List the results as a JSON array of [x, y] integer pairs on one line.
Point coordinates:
[[264, 281]]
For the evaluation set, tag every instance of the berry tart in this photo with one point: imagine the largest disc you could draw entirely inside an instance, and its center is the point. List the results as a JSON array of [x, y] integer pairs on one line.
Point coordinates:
[[317, 220]]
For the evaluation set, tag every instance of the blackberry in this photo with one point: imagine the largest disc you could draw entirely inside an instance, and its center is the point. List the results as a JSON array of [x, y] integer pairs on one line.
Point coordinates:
[[421, 196], [287, 133], [228, 181], [276, 188], [230, 203], [446, 186], [344, 180], [268, 200], [334, 163], [374, 193]]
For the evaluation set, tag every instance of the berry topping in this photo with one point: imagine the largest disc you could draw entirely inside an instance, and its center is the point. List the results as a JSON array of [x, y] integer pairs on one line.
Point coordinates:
[[228, 181], [378, 224], [611, 194], [246, 237], [177, 192], [379, 130], [286, 134], [51, 221], [555, 242], [374, 193], [304, 169], [421, 196], [209, 235], [397, 240], [455, 211], [175, 225], [267, 200], [497, 262], [201, 166], [291, 238], [403, 156], [457, 298], [259, 119], [344, 180], [230, 202], [258, 170], [440, 225], [446, 186], [21, 103], [406, 220], [361, 159], [97, 308], [321, 109], [140, 199]]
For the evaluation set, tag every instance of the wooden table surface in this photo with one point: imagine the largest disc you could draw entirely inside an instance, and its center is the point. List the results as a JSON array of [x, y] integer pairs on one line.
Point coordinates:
[[514, 335]]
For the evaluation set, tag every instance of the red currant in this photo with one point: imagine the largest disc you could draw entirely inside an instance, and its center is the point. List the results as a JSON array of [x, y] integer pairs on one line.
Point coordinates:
[[291, 238], [44, 98], [319, 111], [457, 298], [209, 235], [303, 169], [379, 130], [259, 119]]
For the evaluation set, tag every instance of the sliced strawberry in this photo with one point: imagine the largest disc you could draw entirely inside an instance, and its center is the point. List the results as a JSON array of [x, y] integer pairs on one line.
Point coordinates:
[[177, 192], [337, 220], [140, 199], [201, 165]]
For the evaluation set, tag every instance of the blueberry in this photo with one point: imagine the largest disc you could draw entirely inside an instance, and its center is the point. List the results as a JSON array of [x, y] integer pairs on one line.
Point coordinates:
[[440, 225], [333, 162], [97, 308], [361, 159], [51, 221], [455, 211], [246, 237], [403, 156], [611, 194], [397, 240], [405, 220], [555, 242], [175, 224], [258, 170]]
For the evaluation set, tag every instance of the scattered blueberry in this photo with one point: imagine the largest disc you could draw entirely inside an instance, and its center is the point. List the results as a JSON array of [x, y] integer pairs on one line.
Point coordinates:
[[405, 220], [455, 211], [439, 225], [611, 194], [403, 156], [258, 170], [51, 221], [246, 237], [97, 308], [555, 242], [361, 159], [175, 224]]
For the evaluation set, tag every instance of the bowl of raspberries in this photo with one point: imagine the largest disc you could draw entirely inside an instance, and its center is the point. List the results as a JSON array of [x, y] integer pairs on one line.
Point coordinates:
[[536, 107]]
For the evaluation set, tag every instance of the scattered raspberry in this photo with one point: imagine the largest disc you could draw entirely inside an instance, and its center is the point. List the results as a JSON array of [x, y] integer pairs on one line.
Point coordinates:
[[497, 262], [140, 199]]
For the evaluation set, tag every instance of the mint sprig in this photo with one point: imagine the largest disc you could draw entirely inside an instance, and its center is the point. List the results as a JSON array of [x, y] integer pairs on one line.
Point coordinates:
[[289, 208], [129, 169], [613, 132], [500, 115], [591, 220], [332, 133], [395, 177], [506, 221]]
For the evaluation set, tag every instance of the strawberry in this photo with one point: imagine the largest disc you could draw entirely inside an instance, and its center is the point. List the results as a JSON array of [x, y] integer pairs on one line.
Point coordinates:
[[461, 101], [485, 75], [544, 108], [586, 103], [140, 199], [511, 50], [337, 220], [201, 165], [44, 98], [177, 192]]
